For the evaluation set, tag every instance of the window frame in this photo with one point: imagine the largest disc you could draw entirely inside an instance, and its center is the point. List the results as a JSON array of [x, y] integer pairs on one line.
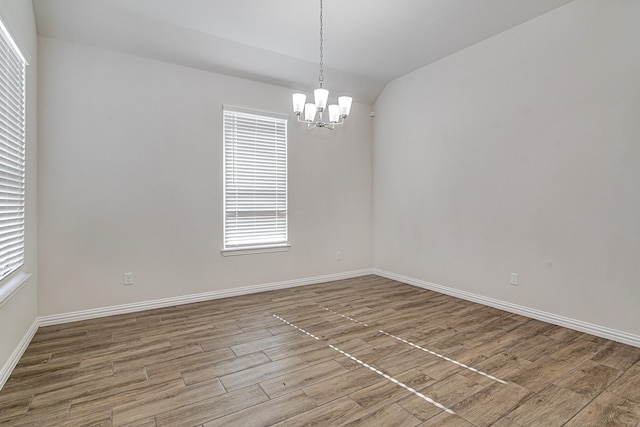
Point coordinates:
[[277, 157], [13, 121], [12, 153]]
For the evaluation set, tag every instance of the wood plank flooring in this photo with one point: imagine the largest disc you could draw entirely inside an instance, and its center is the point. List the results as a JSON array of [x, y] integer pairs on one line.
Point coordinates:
[[360, 352]]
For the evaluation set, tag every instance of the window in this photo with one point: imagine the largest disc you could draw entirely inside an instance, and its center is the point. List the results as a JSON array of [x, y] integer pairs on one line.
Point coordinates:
[[12, 158], [255, 181]]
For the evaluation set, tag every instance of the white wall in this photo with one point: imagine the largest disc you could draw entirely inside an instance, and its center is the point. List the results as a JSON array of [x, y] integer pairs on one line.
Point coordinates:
[[518, 154], [521, 154], [18, 313], [131, 180]]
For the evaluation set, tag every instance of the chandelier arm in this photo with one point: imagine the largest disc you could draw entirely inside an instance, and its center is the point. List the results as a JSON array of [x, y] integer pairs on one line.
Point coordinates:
[[320, 123]]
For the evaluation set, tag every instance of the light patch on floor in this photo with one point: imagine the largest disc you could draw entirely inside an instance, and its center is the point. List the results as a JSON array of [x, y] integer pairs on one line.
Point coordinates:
[[377, 371], [448, 359]]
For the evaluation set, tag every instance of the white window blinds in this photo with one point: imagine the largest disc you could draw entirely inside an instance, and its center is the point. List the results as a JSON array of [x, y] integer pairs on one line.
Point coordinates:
[[255, 179], [12, 141]]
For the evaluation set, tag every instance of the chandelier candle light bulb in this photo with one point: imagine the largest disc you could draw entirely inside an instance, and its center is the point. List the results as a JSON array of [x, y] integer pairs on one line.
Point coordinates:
[[299, 100], [337, 112], [309, 112], [321, 96], [334, 113], [344, 102]]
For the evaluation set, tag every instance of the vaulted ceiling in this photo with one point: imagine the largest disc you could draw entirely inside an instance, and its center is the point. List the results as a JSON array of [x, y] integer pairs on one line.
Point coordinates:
[[367, 43]]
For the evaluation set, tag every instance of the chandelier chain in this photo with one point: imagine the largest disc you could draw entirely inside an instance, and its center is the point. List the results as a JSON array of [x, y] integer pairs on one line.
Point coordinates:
[[321, 78]]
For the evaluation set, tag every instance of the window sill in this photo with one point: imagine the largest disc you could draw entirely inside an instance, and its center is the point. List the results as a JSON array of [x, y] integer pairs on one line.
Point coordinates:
[[255, 250], [11, 286]]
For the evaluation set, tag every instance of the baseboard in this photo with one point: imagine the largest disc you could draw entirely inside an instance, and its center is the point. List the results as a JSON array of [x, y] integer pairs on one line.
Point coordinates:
[[75, 316], [17, 354], [56, 319], [578, 325], [555, 319]]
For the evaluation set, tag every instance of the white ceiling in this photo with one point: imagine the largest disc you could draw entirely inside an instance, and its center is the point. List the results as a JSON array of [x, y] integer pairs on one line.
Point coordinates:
[[366, 42]]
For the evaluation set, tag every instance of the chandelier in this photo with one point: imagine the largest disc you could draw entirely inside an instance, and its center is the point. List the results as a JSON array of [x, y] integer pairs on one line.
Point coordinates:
[[337, 112]]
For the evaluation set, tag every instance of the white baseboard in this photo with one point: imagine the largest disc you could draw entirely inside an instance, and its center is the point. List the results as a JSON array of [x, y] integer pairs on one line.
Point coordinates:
[[17, 354], [578, 325], [57, 319], [75, 316]]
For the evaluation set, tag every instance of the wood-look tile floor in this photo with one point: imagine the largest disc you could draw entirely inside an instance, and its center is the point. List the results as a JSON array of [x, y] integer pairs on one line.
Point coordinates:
[[365, 351]]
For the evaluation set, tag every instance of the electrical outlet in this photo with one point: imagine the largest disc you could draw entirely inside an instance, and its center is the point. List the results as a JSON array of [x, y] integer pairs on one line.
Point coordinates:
[[338, 256], [514, 279], [128, 279]]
